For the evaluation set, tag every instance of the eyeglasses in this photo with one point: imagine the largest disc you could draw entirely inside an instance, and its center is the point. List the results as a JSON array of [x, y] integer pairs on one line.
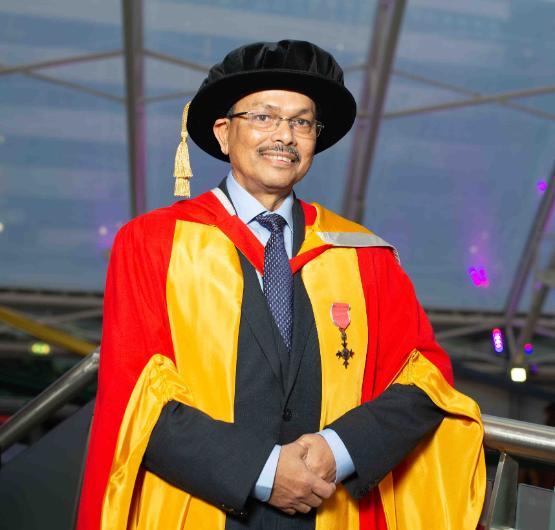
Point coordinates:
[[263, 121]]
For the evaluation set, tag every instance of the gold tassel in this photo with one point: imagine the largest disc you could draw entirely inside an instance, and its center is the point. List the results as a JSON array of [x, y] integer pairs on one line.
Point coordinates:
[[182, 169]]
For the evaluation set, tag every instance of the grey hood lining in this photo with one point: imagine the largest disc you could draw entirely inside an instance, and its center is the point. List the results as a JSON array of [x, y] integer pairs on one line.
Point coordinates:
[[356, 239]]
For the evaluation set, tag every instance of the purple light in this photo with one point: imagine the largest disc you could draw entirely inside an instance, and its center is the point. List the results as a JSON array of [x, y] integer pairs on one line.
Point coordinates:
[[533, 368], [497, 339], [541, 186], [528, 349], [479, 276]]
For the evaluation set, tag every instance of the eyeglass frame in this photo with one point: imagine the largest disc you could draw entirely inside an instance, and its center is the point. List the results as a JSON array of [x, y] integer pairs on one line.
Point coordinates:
[[317, 125]]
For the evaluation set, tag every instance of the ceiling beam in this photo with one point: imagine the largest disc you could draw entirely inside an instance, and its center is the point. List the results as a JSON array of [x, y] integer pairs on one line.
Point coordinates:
[[526, 263], [385, 34], [455, 89], [538, 301], [471, 102], [172, 59], [50, 299], [132, 14], [72, 316], [65, 61], [501, 380], [462, 331], [440, 317], [466, 92], [71, 85], [171, 95]]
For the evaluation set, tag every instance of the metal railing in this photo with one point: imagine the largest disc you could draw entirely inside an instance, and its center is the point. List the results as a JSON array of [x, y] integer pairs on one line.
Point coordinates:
[[520, 438], [511, 438], [49, 401]]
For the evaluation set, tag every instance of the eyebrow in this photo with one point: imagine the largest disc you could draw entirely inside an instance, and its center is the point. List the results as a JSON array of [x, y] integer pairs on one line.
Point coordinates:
[[277, 109]]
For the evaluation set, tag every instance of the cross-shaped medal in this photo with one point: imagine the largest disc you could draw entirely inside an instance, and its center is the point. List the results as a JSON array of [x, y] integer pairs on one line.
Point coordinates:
[[344, 353]]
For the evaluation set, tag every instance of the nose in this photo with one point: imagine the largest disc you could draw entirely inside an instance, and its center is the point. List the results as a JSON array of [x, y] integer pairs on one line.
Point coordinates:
[[284, 133]]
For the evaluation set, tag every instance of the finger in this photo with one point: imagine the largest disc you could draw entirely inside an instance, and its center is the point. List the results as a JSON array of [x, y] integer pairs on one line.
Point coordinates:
[[312, 500], [324, 474], [302, 507], [321, 472], [289, 511], [323, 489]]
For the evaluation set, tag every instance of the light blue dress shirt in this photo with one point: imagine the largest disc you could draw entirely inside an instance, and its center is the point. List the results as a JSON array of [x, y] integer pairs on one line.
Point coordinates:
[[247, 208]]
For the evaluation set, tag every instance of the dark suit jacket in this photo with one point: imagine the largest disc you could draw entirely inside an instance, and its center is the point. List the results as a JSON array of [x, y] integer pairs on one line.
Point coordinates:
[[277, 399]]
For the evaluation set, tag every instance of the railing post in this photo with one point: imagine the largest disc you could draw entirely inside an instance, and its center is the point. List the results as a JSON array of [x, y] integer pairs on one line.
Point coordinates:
[[502, 508]]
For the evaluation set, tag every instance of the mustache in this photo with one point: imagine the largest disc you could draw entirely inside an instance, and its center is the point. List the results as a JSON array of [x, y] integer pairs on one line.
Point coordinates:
[[280, 148]]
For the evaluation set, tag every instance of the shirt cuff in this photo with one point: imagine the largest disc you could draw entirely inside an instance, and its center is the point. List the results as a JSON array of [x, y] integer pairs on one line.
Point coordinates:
[[344, 465], [263, 488]]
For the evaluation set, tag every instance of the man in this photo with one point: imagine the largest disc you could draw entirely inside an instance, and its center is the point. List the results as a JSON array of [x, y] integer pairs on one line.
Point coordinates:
[[265, 363]]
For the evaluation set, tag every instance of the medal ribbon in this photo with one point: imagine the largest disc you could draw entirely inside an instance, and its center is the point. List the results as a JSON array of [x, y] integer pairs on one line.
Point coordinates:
[[340, 315]]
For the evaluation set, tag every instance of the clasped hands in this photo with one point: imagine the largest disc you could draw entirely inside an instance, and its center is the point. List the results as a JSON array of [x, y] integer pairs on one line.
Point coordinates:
[[305, 475]]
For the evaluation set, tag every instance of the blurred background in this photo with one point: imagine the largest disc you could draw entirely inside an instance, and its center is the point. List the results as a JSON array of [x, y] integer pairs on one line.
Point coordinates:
[[451, 160]]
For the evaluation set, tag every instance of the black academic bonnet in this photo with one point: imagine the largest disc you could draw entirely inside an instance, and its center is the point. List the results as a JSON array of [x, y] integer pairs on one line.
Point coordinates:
[[287, 65]]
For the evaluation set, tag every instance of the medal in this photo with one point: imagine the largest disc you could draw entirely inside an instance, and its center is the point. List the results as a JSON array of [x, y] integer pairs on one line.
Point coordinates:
[[341, 318]]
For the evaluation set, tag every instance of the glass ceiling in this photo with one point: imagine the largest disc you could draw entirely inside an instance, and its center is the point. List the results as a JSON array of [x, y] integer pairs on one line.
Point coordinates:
[[454, 189]]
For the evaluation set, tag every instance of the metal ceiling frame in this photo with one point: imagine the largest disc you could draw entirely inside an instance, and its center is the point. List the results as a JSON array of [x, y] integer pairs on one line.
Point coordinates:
[[72, 316], [378, 68], [132, 15], [472, 93], [383, 43], [500, 99], [64, 61], [481, 99], [529, 253], [164, 57], [71, 85], [538, 300], [172, 95], [524, 270], [68, 300], [83, 304]]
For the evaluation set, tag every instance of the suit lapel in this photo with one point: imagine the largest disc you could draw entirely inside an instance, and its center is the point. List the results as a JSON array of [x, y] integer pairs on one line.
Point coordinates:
[[256, 311], [303, 317]]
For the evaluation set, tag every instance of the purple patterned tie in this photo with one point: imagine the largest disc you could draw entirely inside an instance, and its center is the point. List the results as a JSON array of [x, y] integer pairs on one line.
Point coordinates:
[[278, 278]]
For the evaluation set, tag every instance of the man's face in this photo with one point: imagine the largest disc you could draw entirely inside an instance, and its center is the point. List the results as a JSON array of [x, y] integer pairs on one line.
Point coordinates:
[[268, 162]]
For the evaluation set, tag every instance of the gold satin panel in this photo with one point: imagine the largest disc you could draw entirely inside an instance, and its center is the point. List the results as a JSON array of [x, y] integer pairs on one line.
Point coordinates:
[[334, 277], [159, 383], [441, 484], [204, 296], [328, 221]]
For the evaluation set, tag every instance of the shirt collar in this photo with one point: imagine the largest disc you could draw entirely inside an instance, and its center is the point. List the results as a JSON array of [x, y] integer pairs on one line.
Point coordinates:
[[247, 207]]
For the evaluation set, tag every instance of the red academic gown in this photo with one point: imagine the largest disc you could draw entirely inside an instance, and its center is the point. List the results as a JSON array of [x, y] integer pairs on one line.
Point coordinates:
[[138, 329]]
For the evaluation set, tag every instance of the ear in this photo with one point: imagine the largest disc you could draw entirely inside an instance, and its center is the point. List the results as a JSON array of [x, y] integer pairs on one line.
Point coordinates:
[[221, 132]]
